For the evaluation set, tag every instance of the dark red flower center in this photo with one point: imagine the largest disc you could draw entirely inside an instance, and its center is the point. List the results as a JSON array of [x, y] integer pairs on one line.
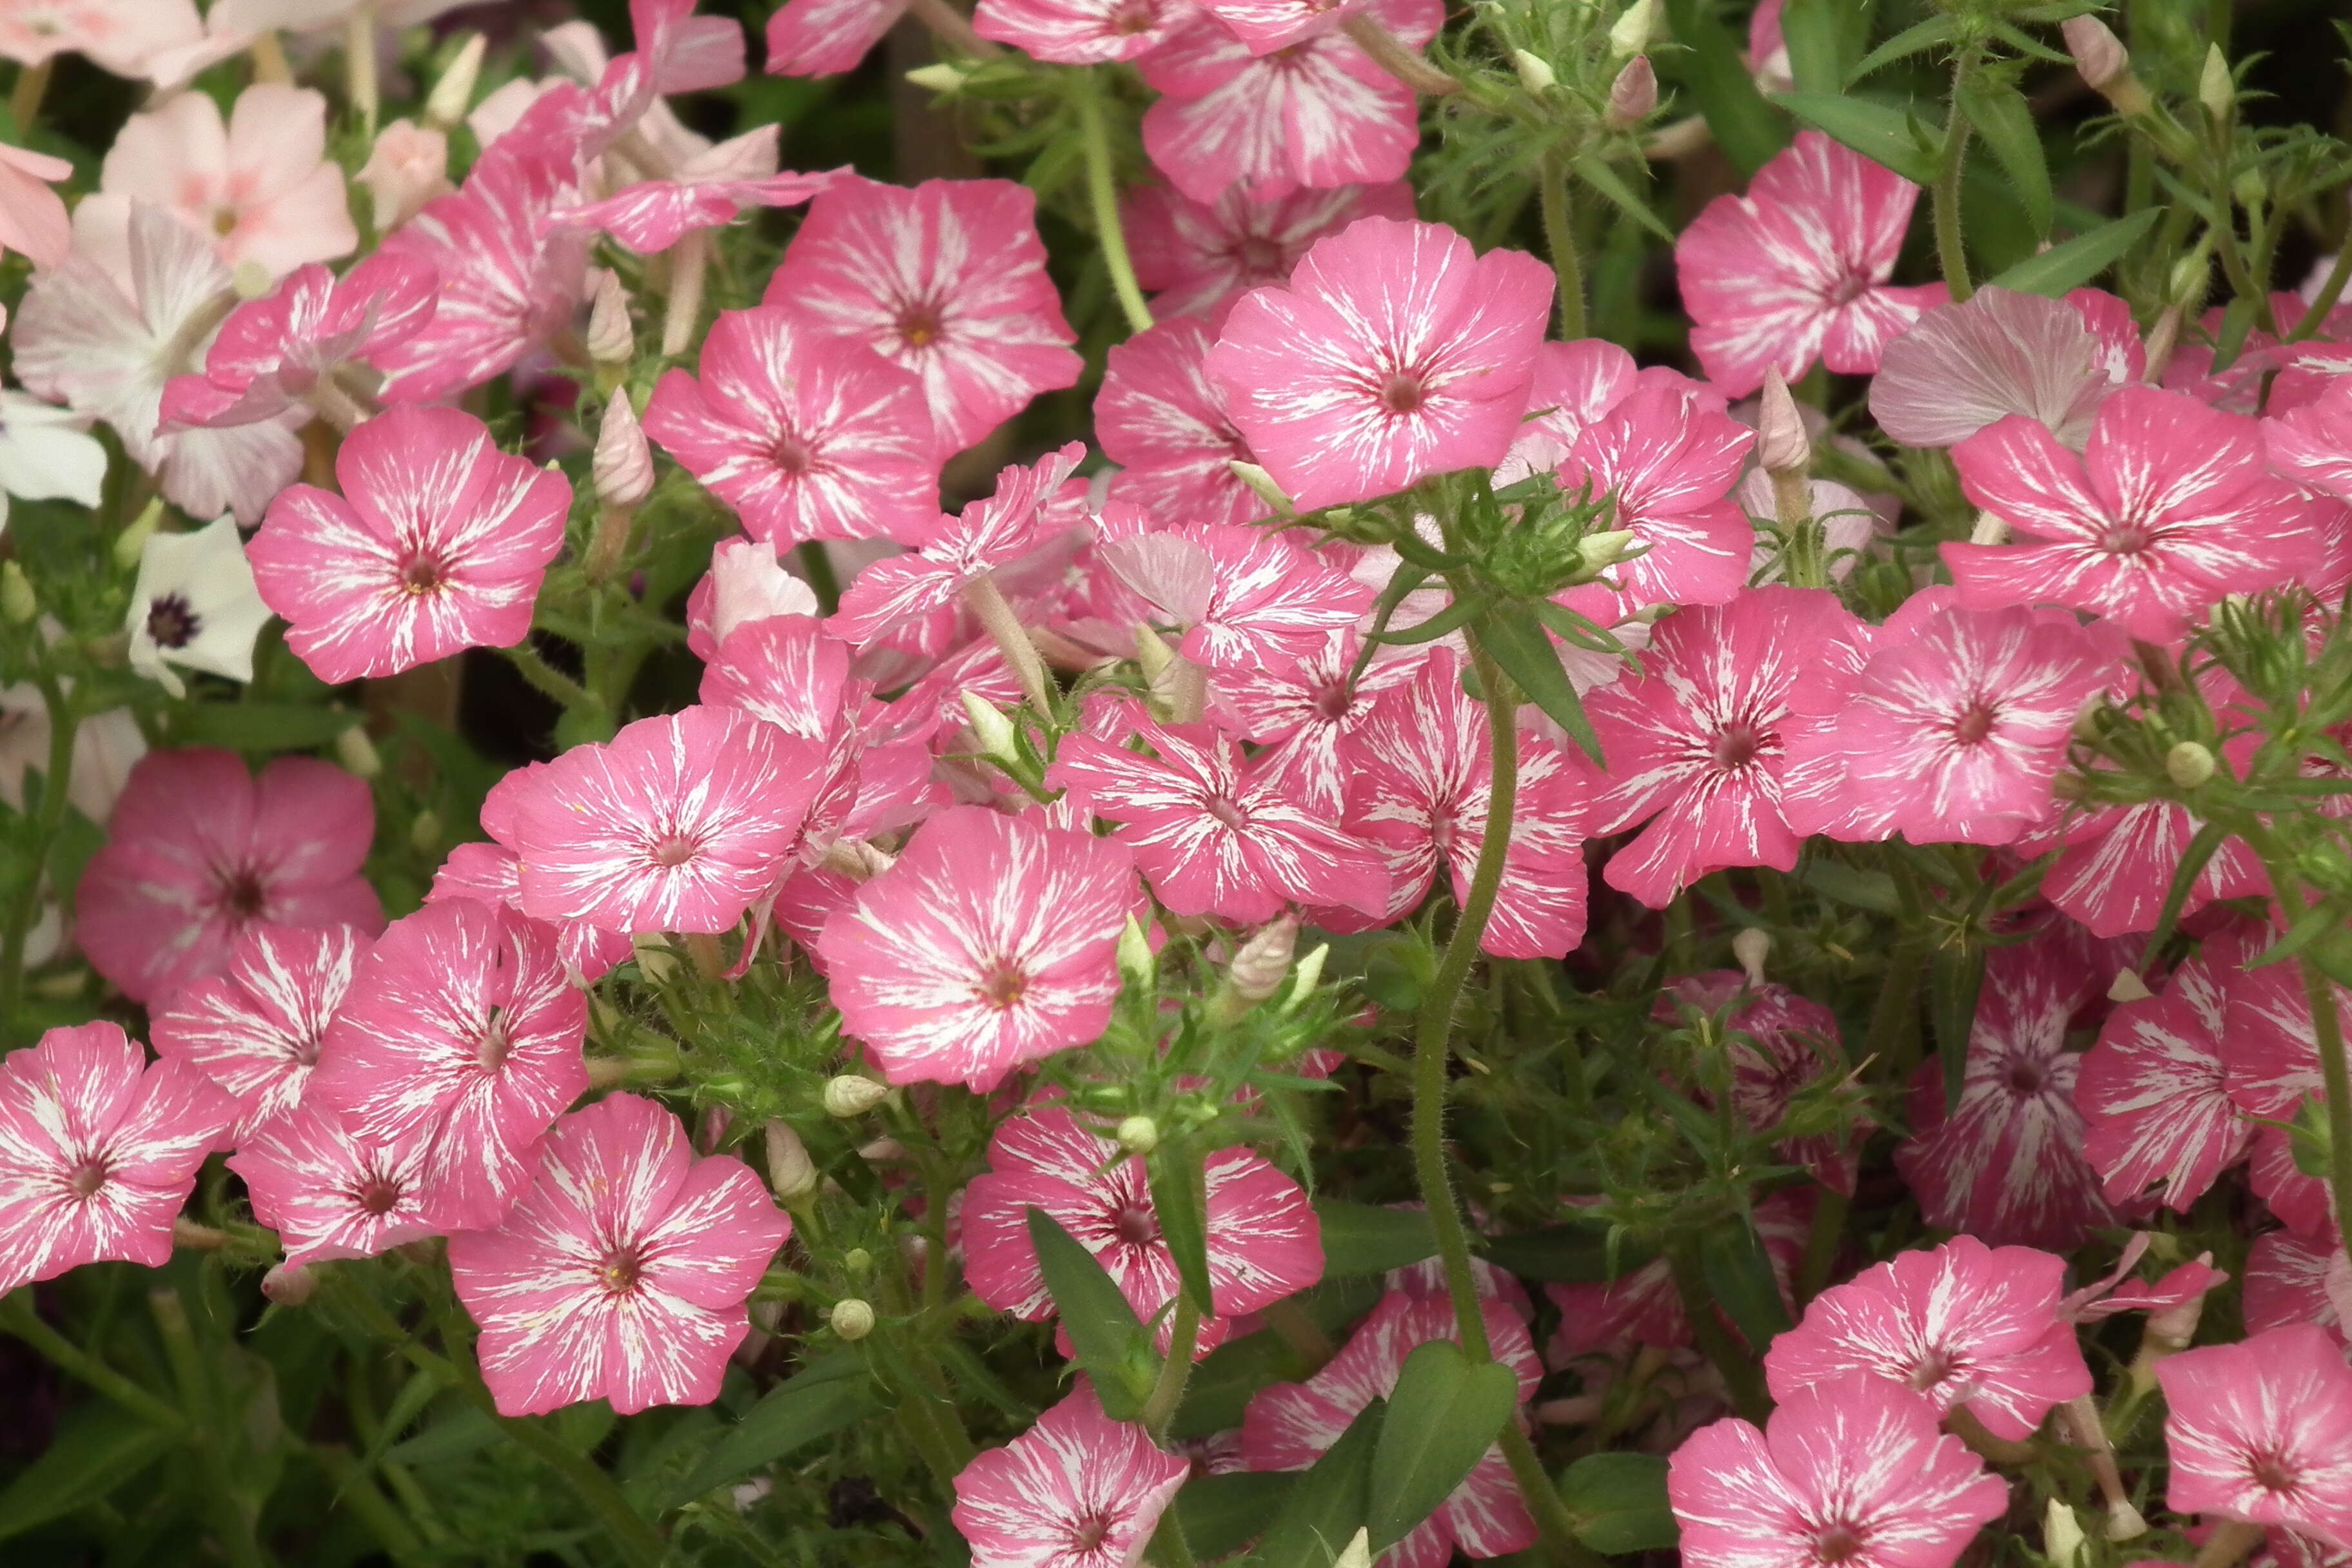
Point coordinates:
[[85, 1178], [1331, 702], [376, 1195], [1136, 1224], [1134, 16], [424, 573], [790, 453], [2126, 536], [1402, 393], [1973, 725], [1088, 1533], [1837, 1542], [621, 1269], [1853, 286], [1735, 745], [1002, 988], [675, 850], [242, 894], [2025, 1078], [2273, 1471], [1255, 255], [171, 622], [1935, 1366], [919, 325]]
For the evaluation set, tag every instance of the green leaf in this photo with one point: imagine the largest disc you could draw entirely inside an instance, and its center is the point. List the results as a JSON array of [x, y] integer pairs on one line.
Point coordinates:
[[1933, 33], [1446, 1411], [1811, 28], [803, 1409], [1713, 72], [2202, 846], [2080, 259], [1180, 1202], [1110, 1341], [1331, 1501], [1872, 891], [1739, 1275], [1220, 1513], [1221, 1386], [1359, 1239], [1515, 638], [1593, 171], [2005, 124], [258, 726], [1879, 132], [1620, 1502], [1451, 619], [97, 1448], [1954, 979], [1565, 1255]]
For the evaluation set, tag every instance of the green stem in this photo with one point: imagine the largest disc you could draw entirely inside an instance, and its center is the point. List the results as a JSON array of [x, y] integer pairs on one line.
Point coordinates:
[[1169, 1547], [1895, 1011], [1822, 1238], [1951, 250], [1742, 1380], [2327, 1031], [1102, 192], [1559, 235], [25, 97], [2330, 292], [1168, 1392], [232, 1520], [55, 787], [17, 1318], [548, 681], [822, 578]]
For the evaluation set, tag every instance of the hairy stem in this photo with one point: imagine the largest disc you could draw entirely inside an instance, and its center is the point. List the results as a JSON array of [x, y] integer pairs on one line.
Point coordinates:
[[25, 97], [1560, 236], [2327, 1031], [1951, 249], [1102, 194], [1395, 55], [1168, 1393], [689, 259], [987, 601], [2330, 292], [359, 65]]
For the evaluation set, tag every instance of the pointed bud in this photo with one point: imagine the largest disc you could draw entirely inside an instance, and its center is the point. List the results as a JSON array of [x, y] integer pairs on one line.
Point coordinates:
[[624, 464], [2215, 89], [1262, 484], [1357, 1552], [1138, 1135], [1988, 529], [2098, 54], [943, 78], [1749, 948], [790, 1170], [990, 725], [2188, 764], [1137, 965], [1305, 975], [852, 1318], [453, 94], [357, 753], [288, 1284], [2062, 1536], [251, 280], [1596, 552], [2128, 986], [850, 1095], [1535, 75], [858, 1260], [1781, 443], [1258, 970], [1636, 31], [18, 603], [1153, 657], [131, 544], [2125, 1522], [1634, 96], [2191, 279], [610, 340]]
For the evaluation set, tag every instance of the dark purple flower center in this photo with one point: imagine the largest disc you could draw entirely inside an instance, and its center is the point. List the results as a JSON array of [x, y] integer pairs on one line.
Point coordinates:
[[621, 1269], [377, 1195], [1255, 255], [791, 454], [1331, 702], [1226, 811], [2273, 1471], [85, 1178], [1136, 1224], [171, 622], [2025, 1078], [1002, 988], [1735, 745], [1837, 1542], [242, 894]]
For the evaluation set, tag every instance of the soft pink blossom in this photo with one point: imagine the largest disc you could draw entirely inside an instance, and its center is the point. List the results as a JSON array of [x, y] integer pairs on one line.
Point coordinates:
[[407, 167], [2296, 1278], [1159, 416], [622, 1273], [1780, 1045], [1075, 1491], [1198, 257], [827, 37], [2153, 1090], [275, 352], [2313, 444], [709, 191], [1305, 712], [1961, 367], [2270, 1069], [1245, 598], [2262, 1432], [746, 582], [260, 188], [329, 1193], [255, 1028], [33, 216], [492, 874], [1079, 32], [119, 35]]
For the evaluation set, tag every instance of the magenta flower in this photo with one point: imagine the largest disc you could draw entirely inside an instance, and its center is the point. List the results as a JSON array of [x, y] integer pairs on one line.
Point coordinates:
[[1850, 1472], [651, 216], [492, 874], [1246, 598], [2153, 1090], [1075, 1491], [1962, 367], [459, 1027], [1395, 353], [1079, 32], [947, 979], [97, 1151], [1264, 1241], [948, 281], [312, 330], [2270, 1068], [827, 37], [805, 434], [2168, 507], [622, 1272], [1779, 1045], [1198, 257], [1289, 1427], [2262, 1432], [1701, 743], [1423, 776], [1963, 1323], [437, 543], [2006, 1164], [329, 1193], [1305, 714], [255, 1028], [2288, 1280], [1209, 833], [198, 849], [1796, 269], [1161, 418], [676, 824], [2118, 863]]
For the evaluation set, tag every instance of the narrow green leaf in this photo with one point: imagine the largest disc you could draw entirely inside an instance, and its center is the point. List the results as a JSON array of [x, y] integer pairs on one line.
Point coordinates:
[[2005, 124], [2202, 846], [1878, 131], [1711, 69], [1954, 979], [1181, 1203], [1359, 1239], [1597, 173], [1620, 1502], [1112, 1343], [258, 726], [1872, 891], [1331, 1501], [1219, 1514], [96, 1448], [1565, 1255], [2079, 259], [1811, 29], [1516, 639], [802, 1410], [1447, 1410], [1451, 619], [1933, 33], [1740, 1274]]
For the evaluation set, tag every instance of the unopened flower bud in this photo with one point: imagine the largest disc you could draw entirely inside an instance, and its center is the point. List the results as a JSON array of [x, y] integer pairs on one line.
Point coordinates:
[[453, 94], [610, 340], [2128, 986], [1636, 31], [425, 831], [624, 464], [1262, 484], [17, 601], [2124, 1522], [2188, 764], [858, 1260], [850, 1095], [1781, 443], [1258, 970], [2062, 1536], [1988, 529], [1138, 1135], [1358, 1553], [1534, 74], [943, 78], [1596, 552], [357, 753], [2098, 54], [1136, 963], [1634, 96], [251, 280], [131, 544], [1305, 975], [853, 1317], [2215, 88], [288, 1284], [990, 726], [2191, 279], [790, 1170], [1749, 947]]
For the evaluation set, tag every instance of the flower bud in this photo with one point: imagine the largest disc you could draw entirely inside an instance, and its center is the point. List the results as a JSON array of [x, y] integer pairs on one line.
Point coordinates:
[[2191, 279], [131, 544], [407, 167], [624, 464], [1636, 31], [610, 340], [357, 753], [1136, 964], [2062, 1536], [1262, 484], [1988, 529], [994, 729], [1596, 552], [1781, 445], [852, 1318], [2128, 986], [2215, 88], [2188, 764], [1634, 96], [453, 94], [1358, 1553], [17, 601], [288, 1284], [251, 280], [943, 78], [858, 1260], [1749, 947], [1534, 74], [790, 1170], [1138, 1135], [1305, 975], [850, 1095], [2098, 54], [425, 832], [1258, 970]]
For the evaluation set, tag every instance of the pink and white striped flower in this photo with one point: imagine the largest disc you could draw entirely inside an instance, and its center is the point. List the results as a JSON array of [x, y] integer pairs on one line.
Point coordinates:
[[827, 37], [98, 1149], [462, 1028], [437, 543], [1245, 598], [1306, 712], [746, 582], [710, 191], [1079, 32], [2154, 1089], [490, 873], [329, 1193], [2116, 865], [2262, 1432], [1961, 367], [1198, 257], [290, 344], [1780, 1045], [622, 1272], [2296, 1278], [1159, 416], [2313, 444], [2270, 1069], [1264, 1242], [1395, 353], [255, 1027], [1075, 1491]]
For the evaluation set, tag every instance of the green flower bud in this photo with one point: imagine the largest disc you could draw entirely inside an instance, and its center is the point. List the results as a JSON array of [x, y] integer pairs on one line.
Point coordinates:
[[852, 1318]]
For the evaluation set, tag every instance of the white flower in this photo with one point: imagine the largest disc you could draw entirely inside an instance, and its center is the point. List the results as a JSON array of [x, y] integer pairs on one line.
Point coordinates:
[[47, 453], [195, 606]]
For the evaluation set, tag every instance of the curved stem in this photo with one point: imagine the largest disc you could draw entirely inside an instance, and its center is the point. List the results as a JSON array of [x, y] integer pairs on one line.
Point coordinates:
[[996, 616], [1560, 236], [64, 723], [1742, 1379], [1168, 1393], [1951, 250], [1102, 194], [2327, 1033], [1395, 55], [25, 97], [545, 679]]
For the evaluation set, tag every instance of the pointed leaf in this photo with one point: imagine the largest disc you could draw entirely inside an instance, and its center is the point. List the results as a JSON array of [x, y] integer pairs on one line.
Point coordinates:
[[1709, 67], [2005, 124], [1954, 981], [1566, 1255], [1593, 171], [1219, 1514], [1813, 32], [802, 1410], [1111, 1342], [1620, 1502], [2080, 259], [96, 1448], [1879, 133], [1933, 33], [1359, 1239], [1446, 1411], [1515, 638], [1179, 1200], [1739, 1275], [1331, 1501], [2202, 846]]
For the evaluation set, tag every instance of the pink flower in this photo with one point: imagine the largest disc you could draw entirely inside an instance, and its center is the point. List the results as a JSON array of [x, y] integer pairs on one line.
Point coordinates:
[[1701, 743], [255, 1028], [746, 582], [1288, 1426], [2262, 1432], [438, 543], [1423, 779], [275, 351], [1264, 1241], [947, 979], [805, 435], [622, 1272], [260, 189], [947, 281], [2292, 1278], [1319, 114], [492, 874], [1780, 1045], [710, 191], [827, 37], [98, 1151], [33, 216], [2153, 1091], [1198, 257], [118, 35], [2118, 863], [407, 167], [2168, 507], [329, 1193], [2006, 1163], [1796, 269], [1962, 367], [1079, 32], [1395, 353], [1305, 714], [1850, 1472], [462, 1028], [2271, 1068], [1160, 417], [1268, 26], [1963, 1323], [1209, 834], [1246, 598], [198, 850], [1075, 1491], [2313, 444]]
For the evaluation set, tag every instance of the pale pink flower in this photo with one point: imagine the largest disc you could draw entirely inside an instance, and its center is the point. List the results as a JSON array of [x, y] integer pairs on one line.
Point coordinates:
[[2118, 863], [123, 36], [675, 825], [2288, 1280], [2262, 1432], [1395, 353], [2005, 1162], [2270, 1068], [1079, 32], [437, 543], [1700, 743], [1319, 114], [255, 1028], [492, 874], [2313, 444], [1245, 598], [1961, 367], [260, 188], [460, 1028], [1160, 417], [2168, 507], [746, 582], [33, 216], [676, 51], [1780, 1045], [2153, 1090], [806, 435], [1198, 257], [1796, 269], [1075, 1491], [1288, 1426], [329, 1193], [709, 191], [1306, 712], [97, 1151], [1851, 1471], [622, 1272], [407, 167], [274, 352], [993, 941], [947, 280], [1264, 1242], [198, 849], [827, 37]]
